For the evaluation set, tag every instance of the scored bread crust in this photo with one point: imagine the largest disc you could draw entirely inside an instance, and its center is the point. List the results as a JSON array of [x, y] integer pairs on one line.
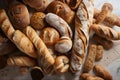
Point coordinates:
[[83, 20]]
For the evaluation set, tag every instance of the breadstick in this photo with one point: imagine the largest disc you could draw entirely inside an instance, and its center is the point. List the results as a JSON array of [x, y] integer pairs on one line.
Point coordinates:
[[111, 19], [6, 25], [24, 44], [61, 64], [89, 63], [107, 44], [63, 45], [59, 24], [21, 61], [106, 9], [99, 53], [105, 32], [44, 56], [83, 21], [102, 72]]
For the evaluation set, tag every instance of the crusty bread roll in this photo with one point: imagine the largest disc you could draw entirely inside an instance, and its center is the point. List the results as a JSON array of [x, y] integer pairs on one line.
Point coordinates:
[[59, 24], [37, 20], [61, 64], [21, 61], [39, 5], [45, 58], [105, 32], [102, 72], [61, 9], [19, 16], [63, 45], [83, 20], [6, 25], [24, 44], [49, 36]]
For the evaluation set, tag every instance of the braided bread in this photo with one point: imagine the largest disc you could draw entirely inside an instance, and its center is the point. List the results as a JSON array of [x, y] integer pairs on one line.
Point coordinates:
[[83, 21]]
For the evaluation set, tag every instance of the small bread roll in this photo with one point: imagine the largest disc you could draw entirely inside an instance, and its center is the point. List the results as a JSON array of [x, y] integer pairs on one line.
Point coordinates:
[[102, 72], [19, 16], [61, 64], [63, 45], [62, 10], [37, 20], [49, 36]]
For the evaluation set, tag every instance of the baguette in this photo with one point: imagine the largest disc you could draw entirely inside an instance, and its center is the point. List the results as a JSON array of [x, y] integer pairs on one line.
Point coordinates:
[[24, 44], [45, 58], [105, 32], [21, 61], [106, 10], [6, 25], [83, 21]]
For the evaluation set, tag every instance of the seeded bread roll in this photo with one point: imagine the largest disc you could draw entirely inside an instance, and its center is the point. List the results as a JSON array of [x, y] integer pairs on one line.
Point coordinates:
[[37, 20], [61, 9], [19, 16], [49, 36], [83, 20]]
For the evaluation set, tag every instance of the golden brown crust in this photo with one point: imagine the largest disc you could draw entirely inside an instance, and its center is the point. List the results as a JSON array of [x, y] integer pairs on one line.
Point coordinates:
[[106, 9], [24, 44], [99, 53], [6, 25], [21, 61], [74, 4], [62, 10], [107, 44], [49, 36], [19, 16], [102, 72], [105, 32], [61, 64], [89, 63], [37, 20]]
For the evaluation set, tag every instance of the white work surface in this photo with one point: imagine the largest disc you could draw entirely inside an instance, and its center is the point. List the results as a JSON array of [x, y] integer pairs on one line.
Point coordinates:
[[111, 59]]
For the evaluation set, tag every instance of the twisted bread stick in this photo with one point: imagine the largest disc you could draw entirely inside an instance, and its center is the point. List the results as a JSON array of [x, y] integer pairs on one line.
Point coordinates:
[[6, 25], [20, 61], [83, 21], [106, 9], [45, 57], [105, 32]]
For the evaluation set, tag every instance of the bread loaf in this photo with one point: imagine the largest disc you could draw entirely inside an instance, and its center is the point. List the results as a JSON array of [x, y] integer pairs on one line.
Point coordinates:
[[105, 32], [83, 20], [59, 24]]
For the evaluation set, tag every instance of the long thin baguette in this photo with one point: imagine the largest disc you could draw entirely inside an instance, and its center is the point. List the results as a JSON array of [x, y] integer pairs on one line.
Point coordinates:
[[83, 21], [45, 57], [6, 25]]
